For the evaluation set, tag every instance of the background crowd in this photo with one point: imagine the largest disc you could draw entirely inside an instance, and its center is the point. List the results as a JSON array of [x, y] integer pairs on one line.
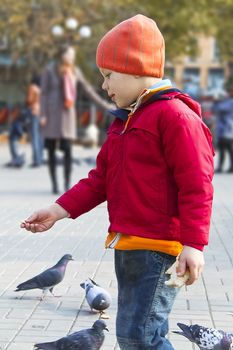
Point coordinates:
[[35, 74]]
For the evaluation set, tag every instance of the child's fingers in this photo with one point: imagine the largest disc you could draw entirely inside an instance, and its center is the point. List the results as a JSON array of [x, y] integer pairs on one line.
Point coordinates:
[[33, 228], [22, 225], [26, 225], [32, 218], [194, 274], [181, 268]]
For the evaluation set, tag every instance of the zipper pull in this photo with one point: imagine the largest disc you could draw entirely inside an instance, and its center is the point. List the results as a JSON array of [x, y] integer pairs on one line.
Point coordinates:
[[126, 123]]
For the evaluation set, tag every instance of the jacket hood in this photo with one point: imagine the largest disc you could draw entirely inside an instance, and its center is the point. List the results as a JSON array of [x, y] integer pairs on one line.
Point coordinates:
[[192, 104], [170, 94]]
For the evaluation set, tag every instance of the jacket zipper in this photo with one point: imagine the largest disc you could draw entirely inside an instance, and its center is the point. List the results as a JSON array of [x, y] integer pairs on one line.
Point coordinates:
[[126, 123]]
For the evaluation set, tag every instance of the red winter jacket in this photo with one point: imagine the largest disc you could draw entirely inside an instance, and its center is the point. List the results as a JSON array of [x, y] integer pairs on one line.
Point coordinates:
[[156, 176]]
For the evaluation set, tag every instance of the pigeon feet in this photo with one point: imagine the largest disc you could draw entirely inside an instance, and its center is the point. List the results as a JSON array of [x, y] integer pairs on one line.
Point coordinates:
[[104, 316], [41, 298], [55, 296]]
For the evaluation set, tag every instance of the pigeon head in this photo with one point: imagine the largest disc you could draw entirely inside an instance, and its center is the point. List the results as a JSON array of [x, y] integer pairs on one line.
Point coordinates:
[[206, 338], [189, 332], [89, 283], [99, 326], [65, 259]]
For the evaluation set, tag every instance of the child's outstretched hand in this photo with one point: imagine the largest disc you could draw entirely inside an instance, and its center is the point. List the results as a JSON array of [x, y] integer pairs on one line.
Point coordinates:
[[44, 219], [193, 260]]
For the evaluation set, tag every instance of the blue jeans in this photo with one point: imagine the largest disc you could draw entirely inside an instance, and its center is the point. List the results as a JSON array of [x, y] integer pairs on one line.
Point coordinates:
[[16, 132], [144, 301], [36, 140]]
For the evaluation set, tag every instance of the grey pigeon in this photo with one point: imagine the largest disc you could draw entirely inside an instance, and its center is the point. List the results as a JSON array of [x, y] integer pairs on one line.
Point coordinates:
[[97, 297], [86, 339], [206, 338], [48, 279]]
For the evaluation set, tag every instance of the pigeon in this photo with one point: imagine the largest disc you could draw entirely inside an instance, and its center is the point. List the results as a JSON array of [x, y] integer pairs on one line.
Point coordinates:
[[206, 338], [48, 279], [86, 339], [97, 297]]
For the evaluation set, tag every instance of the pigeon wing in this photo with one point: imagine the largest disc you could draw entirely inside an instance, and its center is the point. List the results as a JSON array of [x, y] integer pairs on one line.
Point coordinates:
[[48, 278], [84, 339], [29, 284], [60, 344]]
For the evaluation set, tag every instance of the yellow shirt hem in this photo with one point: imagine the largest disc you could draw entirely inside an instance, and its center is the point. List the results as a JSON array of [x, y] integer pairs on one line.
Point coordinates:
[[128, 242]]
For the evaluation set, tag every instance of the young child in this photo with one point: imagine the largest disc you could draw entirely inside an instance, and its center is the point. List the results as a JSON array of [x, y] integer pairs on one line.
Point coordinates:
[[155, 171]]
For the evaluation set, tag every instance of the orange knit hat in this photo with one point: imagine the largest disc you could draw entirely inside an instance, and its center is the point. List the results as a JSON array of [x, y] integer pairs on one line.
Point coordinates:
[[134, 46]]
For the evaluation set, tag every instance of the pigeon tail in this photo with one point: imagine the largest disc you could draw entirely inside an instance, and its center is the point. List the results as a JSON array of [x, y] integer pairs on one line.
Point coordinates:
[[94, 282], [30, 284], [45, 346]]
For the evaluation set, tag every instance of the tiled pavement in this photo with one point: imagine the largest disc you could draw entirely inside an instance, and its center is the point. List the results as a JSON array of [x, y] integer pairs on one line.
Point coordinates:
[[24, 319]]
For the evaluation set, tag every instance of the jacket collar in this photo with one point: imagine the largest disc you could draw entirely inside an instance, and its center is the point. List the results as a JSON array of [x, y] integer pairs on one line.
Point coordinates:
[[157, 95]]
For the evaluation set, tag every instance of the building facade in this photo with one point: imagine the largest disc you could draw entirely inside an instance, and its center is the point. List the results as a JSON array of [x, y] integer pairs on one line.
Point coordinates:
[[202, 74], [195, 75]]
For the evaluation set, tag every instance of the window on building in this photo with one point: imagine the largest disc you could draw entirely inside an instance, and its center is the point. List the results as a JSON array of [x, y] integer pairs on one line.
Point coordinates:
[[3, 43], [215, 80], [169, 73]]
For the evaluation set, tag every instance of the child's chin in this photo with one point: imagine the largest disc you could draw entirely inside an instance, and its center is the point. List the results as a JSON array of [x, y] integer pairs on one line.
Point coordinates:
[[120, 105]]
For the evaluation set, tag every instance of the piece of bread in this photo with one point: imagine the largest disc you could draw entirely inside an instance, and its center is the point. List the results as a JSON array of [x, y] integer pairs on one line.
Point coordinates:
[[174, 280]]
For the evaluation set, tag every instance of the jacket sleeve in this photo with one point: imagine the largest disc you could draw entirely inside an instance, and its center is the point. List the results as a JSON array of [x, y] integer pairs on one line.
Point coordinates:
[[187, 145], [31, 96], [88, 192]]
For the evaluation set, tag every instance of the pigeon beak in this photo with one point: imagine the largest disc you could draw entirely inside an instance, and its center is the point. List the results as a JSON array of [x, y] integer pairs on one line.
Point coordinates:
[[106, 329], [178, 332], [185, 331]]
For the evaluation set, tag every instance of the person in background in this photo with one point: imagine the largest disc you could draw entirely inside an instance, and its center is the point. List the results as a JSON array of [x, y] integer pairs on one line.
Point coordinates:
[[224, 127], [155, 171], [19, 124], [33, 104], [58, 111]]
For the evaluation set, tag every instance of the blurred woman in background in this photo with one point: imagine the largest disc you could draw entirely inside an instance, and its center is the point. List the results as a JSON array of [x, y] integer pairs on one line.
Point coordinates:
[[58, 112]]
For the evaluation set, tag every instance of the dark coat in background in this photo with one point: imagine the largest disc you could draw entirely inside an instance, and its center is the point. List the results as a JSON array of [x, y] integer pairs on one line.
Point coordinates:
[[61, 122]]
